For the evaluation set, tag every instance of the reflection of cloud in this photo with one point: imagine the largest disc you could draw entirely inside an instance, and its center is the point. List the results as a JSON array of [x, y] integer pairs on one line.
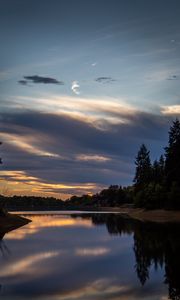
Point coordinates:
[[170, 109], [98, 251], [26, 264], [42, 79], [97, 158], [75, 87], [99, 289], [42, 221]]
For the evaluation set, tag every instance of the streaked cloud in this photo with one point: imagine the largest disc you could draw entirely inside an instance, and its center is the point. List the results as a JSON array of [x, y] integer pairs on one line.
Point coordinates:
[[26, 143], [75, 87], [97, 158], [99, 112], [21, 182], [170, 109], [104, 79], [23, 82]]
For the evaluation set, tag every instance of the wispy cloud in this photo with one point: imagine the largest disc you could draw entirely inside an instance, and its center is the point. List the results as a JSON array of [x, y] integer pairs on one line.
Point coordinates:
[[20, 181], [23, 82], [41, 79], [170, 110], [97, 112], [104, 79], [27, 144], [94, 64], [75, 87], [96, 158], [173, 77]]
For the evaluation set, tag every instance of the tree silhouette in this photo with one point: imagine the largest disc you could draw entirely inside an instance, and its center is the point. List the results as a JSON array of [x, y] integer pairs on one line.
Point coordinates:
[[158, 171], [0, 157], [172, 153], [143, 168]]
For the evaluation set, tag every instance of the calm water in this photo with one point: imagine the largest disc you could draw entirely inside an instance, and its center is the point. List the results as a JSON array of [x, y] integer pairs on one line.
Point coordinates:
[[90, 257]]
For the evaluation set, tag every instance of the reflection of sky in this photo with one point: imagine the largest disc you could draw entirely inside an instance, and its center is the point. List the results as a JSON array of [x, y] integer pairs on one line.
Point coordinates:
[[64, 258]]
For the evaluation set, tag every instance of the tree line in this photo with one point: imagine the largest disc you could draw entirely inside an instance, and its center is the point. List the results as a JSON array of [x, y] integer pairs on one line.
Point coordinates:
[[156, 184]]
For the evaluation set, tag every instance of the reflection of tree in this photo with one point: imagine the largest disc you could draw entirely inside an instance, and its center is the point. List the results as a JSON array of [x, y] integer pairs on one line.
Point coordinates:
[[142, 262], [154, 244], [3, 247], [159, 245], [172, 267]]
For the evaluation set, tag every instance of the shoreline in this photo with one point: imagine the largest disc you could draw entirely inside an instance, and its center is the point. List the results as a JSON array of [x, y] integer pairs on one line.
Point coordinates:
[[158, 216], [11, 222]]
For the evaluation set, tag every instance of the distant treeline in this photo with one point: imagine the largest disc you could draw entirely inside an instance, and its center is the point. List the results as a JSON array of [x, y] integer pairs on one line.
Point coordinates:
[[156, 185], [16, 203]]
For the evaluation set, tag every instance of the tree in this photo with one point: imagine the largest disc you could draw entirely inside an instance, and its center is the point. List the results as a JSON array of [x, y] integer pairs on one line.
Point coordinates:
[[143, 169], [172, 154], [158, 171], [0, 157]]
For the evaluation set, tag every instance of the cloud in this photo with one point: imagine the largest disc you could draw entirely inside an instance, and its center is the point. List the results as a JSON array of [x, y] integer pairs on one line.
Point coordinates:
[[89, 155], [23, 82], [170, 110], [41, 79], [96, 158], [94, 64], [173, 77], [75, 87], [20, 182], [27, 144], [99, 113], [105, 79]]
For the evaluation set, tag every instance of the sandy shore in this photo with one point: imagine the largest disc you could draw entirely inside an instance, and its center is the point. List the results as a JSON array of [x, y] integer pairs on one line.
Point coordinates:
[[160, 216]]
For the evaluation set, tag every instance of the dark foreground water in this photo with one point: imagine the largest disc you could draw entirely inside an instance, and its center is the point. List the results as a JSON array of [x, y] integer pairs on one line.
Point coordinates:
[[90, 257]]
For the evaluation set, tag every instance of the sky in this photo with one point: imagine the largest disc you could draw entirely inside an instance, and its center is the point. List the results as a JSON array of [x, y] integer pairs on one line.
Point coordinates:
[[82, 85]]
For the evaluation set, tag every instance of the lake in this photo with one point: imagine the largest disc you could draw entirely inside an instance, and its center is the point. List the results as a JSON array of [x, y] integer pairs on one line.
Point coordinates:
[[90, 256]]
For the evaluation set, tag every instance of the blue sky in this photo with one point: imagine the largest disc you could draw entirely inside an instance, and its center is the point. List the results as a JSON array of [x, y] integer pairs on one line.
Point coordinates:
[[83, 84]]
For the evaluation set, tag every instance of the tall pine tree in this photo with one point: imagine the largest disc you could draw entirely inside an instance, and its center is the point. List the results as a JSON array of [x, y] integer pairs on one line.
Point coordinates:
[[0, 157], [172, 154], [143, 169]]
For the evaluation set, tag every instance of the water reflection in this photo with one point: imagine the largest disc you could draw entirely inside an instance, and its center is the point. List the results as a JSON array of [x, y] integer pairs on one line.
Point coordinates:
[[155, 245], [92, 256]]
